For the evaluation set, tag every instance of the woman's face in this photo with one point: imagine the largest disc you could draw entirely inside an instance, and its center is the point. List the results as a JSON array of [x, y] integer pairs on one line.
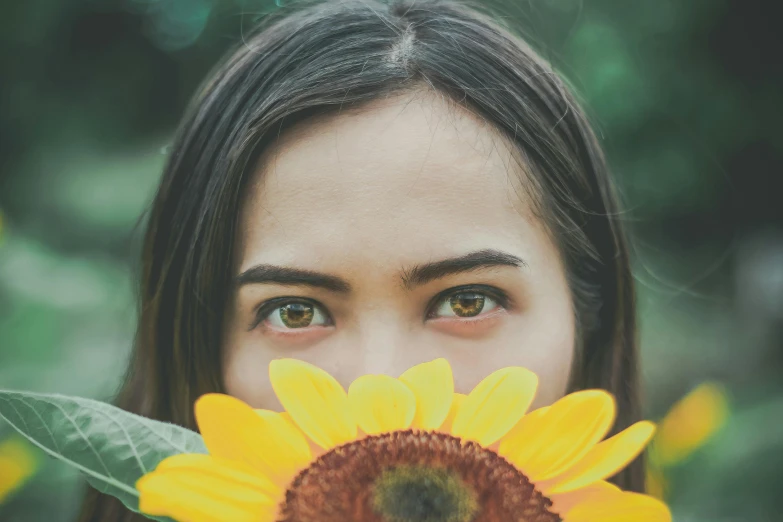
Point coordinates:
[[375, 240]]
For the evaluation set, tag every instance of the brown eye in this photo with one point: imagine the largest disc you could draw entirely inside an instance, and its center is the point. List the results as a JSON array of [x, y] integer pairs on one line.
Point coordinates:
[[465, 304], [295, 315]]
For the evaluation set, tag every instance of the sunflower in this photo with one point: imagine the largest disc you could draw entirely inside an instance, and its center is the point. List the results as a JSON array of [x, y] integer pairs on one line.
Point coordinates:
[[403, 450]]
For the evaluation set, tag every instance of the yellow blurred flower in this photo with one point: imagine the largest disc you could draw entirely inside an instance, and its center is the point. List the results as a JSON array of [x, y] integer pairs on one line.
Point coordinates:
[[18, 462], [334, 456], [691, 423], [688, 426]]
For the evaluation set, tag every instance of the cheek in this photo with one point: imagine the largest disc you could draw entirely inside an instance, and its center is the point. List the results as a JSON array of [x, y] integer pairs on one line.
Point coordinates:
[[246, 366], [551, 358], [246, 378], [246, 373], [540, 339], [549, 349]]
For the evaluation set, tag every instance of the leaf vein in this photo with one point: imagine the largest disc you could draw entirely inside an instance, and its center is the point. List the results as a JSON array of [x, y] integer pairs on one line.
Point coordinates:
[[108, 479], [78, 429]]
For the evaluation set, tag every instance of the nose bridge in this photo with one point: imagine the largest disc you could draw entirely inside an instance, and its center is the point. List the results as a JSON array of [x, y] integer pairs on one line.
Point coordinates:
[[380, 338]]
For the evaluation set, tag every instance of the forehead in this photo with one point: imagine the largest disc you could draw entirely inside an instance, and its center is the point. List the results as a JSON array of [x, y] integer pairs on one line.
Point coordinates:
[[405, 173]]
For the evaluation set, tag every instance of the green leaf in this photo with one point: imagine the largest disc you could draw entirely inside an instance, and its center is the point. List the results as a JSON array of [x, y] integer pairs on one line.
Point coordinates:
[[112, 447]]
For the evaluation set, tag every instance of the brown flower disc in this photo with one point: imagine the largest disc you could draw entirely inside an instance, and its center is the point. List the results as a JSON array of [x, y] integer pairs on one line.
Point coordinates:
[[413, 476]]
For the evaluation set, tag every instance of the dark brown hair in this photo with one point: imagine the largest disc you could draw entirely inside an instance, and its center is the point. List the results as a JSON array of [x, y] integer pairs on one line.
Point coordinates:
[[316, 58]]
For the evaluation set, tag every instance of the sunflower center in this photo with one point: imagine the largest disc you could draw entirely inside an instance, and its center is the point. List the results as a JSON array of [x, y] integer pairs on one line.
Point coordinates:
[[413, 476], [422, 494]]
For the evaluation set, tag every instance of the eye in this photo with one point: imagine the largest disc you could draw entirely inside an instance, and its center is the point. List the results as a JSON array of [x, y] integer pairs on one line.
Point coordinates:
[[469, 302], [291, 315]]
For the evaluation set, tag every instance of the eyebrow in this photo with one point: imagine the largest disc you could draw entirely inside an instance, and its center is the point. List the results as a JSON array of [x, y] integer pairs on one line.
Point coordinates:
[[410, 278]]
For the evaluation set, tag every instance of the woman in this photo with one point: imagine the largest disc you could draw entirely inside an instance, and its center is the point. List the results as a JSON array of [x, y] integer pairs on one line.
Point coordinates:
[[367, 186]]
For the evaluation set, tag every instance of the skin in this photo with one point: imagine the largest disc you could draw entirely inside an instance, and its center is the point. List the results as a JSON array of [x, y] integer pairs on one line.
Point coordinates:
[[365, 194]]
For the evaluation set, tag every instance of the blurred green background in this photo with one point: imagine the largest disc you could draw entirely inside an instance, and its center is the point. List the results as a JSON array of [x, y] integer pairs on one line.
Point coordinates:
[[686, 95]]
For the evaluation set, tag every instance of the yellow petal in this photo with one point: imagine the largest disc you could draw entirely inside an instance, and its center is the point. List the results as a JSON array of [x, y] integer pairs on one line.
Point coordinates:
[[602, 491], [201, 495], [285, 437], [623, 507], [456, 401], [18, 462], [495, 405], [571, 427], [381, 404], [433, 385], [315, 450], [315, 400], [512, 446], [265, 441], [287, 417], [603, 460], [691, 422], [231, 471]]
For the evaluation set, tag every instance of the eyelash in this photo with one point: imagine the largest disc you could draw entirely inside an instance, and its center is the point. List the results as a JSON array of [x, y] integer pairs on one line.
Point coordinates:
[[497, 295]]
